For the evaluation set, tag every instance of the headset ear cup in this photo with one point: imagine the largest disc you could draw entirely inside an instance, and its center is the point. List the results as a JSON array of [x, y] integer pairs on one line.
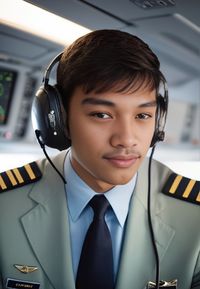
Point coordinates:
[[158, 136], [161, 111], [49, 117]]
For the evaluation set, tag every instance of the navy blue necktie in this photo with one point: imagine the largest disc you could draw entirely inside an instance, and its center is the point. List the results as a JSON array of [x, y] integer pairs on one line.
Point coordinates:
[[95, 269]]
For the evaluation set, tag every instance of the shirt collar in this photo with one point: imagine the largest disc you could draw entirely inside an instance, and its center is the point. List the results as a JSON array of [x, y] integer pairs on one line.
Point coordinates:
[[79, 194], [119, 198]]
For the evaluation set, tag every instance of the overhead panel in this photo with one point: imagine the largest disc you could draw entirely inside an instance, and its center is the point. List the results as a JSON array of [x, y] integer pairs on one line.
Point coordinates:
[[80, 13], [13, 46], [25, 47], [175, 36], [127, 10]]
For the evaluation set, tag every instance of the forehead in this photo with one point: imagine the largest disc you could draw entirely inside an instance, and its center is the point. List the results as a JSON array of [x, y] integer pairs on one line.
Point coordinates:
[[113, 99], [125, 83]]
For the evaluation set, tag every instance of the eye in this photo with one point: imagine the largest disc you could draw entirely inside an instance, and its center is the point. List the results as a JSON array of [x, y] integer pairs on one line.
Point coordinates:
[[143, 116], [101, 115]]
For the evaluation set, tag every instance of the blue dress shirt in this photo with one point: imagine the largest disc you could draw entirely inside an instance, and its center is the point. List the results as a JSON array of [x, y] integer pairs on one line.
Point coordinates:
[[78, 195]]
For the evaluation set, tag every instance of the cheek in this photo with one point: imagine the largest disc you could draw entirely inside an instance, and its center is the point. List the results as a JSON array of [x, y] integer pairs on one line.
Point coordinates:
[[150, 133], [146, 137], [85, 136]]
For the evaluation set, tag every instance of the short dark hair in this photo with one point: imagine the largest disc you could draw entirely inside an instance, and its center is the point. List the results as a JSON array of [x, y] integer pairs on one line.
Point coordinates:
[[106, 60]]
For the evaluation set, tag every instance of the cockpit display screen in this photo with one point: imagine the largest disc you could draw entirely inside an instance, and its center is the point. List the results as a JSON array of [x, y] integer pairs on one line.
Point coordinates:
[[7, 83]]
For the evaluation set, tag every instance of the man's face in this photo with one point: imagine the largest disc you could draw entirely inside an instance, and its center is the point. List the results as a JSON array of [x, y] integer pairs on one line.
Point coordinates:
[[111, 134]]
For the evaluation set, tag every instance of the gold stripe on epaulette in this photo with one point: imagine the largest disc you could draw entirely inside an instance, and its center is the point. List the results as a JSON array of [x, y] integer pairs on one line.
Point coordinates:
[[189, 188], [175, 184], [198, 197], [2, 184], [18, 176], [182, 188], [11, 178], [30, 172]]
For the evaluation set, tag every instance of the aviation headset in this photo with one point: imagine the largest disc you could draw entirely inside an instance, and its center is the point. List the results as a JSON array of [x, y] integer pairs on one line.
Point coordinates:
[[50, 120]]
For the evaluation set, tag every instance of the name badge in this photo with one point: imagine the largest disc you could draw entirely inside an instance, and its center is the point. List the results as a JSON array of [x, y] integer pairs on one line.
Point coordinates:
[[20, 284]]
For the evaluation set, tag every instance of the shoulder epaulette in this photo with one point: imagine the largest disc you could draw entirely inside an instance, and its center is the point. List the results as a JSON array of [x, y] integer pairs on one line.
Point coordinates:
[[182, 188], [18, 177]]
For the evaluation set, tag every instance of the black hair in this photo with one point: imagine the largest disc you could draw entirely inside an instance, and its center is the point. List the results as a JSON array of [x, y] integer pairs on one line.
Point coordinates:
[[106, 60]]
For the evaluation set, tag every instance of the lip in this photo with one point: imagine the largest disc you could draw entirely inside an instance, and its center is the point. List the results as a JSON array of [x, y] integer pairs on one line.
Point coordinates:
[[120, 161]]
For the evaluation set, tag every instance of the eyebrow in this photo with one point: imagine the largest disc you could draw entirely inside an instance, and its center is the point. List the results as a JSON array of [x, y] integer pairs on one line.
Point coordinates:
[[98, 101], [148, 104]]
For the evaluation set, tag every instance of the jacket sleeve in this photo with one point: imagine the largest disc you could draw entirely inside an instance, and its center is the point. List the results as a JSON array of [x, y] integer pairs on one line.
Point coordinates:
[[1, 282], [196, 278]]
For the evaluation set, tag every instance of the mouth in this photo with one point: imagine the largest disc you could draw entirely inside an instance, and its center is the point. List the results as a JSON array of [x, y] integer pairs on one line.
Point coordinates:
[[122, 161]]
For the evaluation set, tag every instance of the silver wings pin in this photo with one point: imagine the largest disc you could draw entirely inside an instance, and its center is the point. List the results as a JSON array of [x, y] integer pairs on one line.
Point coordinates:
[[25, 268]]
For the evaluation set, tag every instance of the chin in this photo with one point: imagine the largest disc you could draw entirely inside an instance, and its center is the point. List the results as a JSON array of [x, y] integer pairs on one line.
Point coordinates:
[[121, 181]]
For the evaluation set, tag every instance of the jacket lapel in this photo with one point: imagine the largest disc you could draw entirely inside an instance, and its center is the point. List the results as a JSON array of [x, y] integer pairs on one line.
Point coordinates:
[[47, 227], [137, 265]]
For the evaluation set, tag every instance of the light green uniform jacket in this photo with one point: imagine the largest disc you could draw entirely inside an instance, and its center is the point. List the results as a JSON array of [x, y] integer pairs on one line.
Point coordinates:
[[34, 231]]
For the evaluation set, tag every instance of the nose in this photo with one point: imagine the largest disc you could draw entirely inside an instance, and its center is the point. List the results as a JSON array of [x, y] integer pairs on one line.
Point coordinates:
[[124, 135]]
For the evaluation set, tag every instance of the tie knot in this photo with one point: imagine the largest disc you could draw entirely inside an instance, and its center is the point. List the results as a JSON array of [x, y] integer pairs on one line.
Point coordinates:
[[99, 205]]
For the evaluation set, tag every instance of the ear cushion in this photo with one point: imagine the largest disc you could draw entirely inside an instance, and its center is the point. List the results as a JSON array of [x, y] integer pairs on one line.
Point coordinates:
[[49, 117]]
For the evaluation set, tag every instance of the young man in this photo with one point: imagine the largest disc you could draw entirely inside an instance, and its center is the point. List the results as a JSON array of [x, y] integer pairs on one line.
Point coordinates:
[[109, 84]]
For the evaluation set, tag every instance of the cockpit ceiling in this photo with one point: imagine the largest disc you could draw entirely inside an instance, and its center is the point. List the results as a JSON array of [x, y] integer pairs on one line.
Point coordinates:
[[172, 31]]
